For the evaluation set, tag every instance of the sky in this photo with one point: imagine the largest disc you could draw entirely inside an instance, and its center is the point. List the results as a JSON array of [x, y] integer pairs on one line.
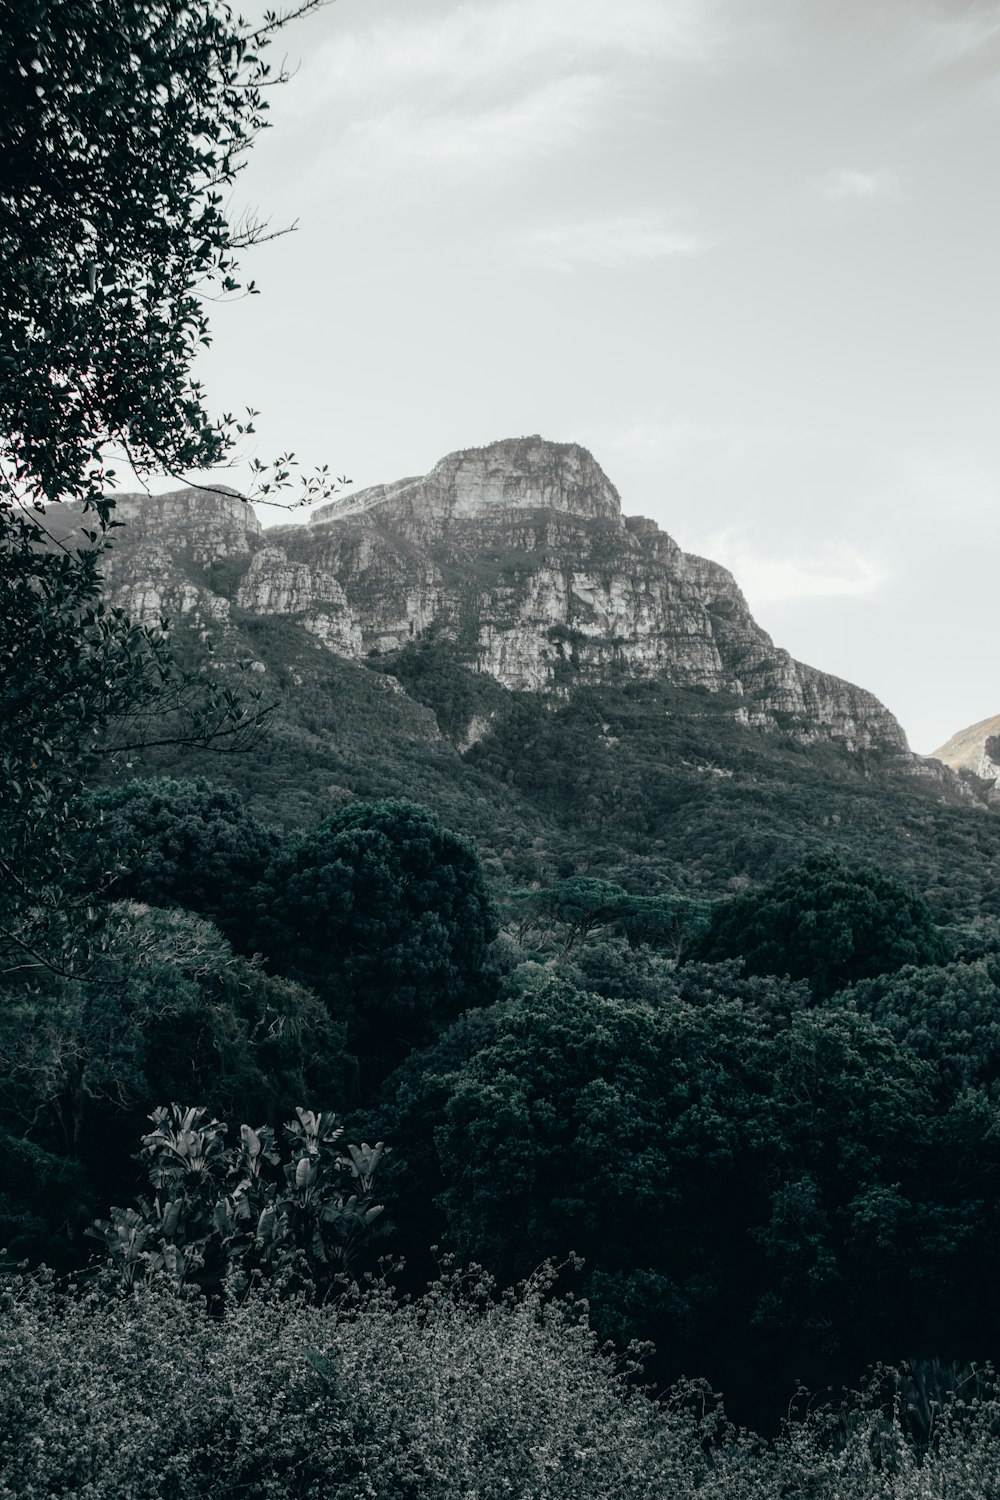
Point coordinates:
[[746, 252]]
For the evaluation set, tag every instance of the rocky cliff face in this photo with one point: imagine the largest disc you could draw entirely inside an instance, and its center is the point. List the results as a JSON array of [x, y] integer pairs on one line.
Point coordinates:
[[989, 765], [177, 552], [519, 554], [975, 749]]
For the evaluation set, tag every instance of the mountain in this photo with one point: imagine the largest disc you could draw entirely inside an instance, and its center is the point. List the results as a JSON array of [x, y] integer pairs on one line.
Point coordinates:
[[520, 556], [975, 749], [557, 679]]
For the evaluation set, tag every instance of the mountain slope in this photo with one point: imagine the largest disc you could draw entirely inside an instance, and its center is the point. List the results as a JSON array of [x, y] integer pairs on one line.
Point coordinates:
[[518, 554], [559, 681]]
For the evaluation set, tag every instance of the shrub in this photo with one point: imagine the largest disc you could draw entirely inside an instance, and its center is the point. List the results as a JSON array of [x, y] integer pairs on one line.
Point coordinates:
[[234, 1215], [462, 1392]]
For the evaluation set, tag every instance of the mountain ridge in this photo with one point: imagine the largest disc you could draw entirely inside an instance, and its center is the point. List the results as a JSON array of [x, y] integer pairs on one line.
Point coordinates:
[[569, 690], [518, 554]]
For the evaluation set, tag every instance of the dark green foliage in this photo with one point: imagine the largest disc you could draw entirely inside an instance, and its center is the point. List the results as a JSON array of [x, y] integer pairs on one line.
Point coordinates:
[[852, 1216], [625, 1131], [826, 922], [652, 787], [224, 1217], [121, 131], [338, 733], [766, 1188], [247, 1043], [80, 683], [387, 915], [950, 1016], [167, 1012], [73, 673], [433, 673], [670, 922], [183, 843], [573, 908], [44, 1202], [661, 783]]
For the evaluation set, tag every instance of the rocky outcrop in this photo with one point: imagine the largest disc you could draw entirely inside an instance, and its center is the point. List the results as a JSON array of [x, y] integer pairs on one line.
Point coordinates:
[[275, 585], [179, 553], [975, 749], [476, 484], [989, 763], [519, 554]]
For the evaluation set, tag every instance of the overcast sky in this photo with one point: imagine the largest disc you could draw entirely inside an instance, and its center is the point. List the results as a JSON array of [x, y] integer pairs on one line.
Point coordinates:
[[745, 251]]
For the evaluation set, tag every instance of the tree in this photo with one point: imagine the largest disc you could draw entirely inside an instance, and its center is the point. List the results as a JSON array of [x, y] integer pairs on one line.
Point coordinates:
[[45, 1202], [387, 915], [78, 679], [123, 125], [950, 1016], [183, 843], [670, 922], [167, 1012], [827, 922], [573, 908], [633, 1133], [771, 1188]]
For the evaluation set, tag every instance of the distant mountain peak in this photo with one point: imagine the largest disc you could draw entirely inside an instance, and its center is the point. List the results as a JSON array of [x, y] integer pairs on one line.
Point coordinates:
[[976, 749], [513, 474]]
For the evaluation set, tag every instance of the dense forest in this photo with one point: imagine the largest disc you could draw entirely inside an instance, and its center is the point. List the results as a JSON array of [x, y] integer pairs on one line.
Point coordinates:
[[607, 1107], [751, 1139]]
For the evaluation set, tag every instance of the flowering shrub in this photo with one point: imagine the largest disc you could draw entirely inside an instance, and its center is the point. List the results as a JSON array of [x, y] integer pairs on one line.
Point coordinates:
[[460, 1393]]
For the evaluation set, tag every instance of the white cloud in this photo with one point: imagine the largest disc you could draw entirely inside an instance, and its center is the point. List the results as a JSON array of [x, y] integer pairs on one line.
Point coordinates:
[[408, 136], [844, 183], [770, 579], [499, 42], [612, 242], [947, 35], [484, 83]]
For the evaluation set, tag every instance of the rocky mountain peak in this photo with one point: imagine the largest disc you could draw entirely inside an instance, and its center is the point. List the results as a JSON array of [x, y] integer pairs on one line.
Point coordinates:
[[175, 550], [516, 554], [513, 475], [219, 512]]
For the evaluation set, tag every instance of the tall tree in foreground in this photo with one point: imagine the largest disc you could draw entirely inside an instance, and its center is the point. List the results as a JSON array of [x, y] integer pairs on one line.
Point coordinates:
[[124, 124]]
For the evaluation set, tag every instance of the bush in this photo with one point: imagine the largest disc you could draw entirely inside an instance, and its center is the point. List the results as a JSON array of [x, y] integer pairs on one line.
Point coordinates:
[[462, 1392], [233, 1216]]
